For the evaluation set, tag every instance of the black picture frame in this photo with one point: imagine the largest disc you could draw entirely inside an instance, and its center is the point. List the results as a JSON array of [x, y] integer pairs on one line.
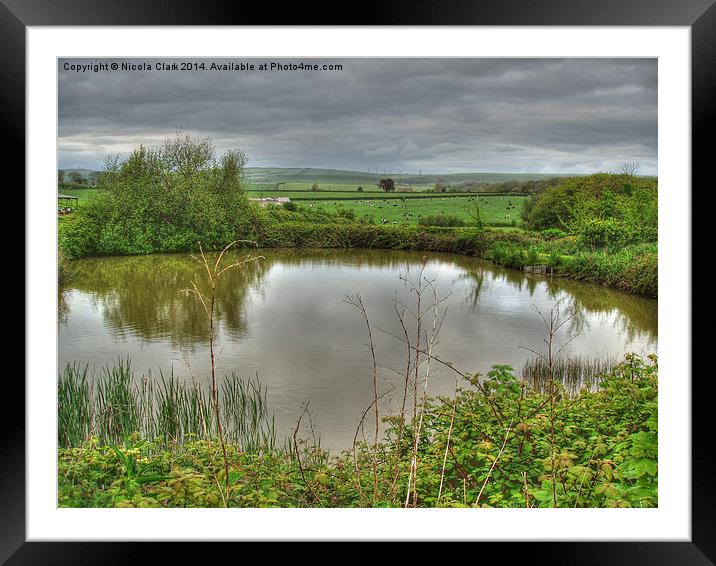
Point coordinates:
[[699, 15]]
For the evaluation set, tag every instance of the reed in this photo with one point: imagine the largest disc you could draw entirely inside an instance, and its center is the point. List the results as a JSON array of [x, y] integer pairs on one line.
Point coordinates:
[[574, 373], [114, 404], [74, 399]]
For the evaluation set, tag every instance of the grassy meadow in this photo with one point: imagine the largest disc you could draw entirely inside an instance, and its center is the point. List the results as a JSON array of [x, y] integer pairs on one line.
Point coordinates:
[[83, 194], [494, 210], [344, 188], [306, 177]]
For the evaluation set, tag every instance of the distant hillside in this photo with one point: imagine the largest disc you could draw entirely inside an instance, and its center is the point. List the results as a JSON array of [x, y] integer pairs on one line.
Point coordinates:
[[274, 175], [84, 172]]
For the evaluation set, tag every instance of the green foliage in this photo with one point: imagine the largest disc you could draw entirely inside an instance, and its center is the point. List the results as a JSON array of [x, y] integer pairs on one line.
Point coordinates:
[[346, 213], [118, 405], [163, 200], [604, 210], [441, 220], [633, 269], [630, 268], [600, 233], [290, 206], [553, 233], [507, 447], [75, 408], [387, 185]]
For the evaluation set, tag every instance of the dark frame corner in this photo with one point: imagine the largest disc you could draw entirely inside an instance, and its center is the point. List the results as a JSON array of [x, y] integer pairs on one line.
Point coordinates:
[[700, 15]]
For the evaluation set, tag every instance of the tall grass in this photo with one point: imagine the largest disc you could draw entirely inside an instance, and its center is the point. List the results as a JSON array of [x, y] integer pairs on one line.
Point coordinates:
[[574, 373], [113, 404], [74, 399]]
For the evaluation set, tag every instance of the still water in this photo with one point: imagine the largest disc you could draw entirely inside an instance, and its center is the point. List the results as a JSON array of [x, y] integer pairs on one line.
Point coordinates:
[[285, 318]]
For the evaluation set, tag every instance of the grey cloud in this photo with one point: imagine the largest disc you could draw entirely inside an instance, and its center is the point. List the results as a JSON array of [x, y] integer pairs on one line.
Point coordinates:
[[438, 115]]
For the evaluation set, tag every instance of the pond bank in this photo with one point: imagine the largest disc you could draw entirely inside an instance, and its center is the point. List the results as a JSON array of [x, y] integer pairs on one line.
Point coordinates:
[[633, 269], [598, 449]]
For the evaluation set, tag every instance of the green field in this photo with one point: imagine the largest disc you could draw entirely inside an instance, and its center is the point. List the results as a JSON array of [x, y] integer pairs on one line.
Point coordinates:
[[307, 176], [82, 194], [393, 207], [355, 196], [493, 210], [304, 177], [324, 188]]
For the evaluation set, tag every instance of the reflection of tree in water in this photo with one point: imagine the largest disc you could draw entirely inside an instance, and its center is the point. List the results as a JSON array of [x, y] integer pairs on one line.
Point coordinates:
[[477, 274], [632, 314], [63, 307], [143, 295], [474, 280], [301, 257]]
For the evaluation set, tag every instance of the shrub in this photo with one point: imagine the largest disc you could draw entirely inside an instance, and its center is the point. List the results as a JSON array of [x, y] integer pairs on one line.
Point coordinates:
[[441, 220], [597, 233], [553, 233], [163, 200], [576, 204], [346, 213]]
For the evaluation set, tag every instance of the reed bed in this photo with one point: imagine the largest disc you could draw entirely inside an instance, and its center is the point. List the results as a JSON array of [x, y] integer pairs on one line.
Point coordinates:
[[573, 373], [114, 404]]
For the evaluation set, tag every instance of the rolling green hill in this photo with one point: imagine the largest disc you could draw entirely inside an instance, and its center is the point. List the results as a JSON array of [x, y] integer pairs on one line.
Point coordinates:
[[84, 172], [267, 175], [303, 178]]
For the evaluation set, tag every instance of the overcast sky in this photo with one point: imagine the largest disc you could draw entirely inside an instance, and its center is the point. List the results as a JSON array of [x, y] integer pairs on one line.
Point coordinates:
[[397, 115]]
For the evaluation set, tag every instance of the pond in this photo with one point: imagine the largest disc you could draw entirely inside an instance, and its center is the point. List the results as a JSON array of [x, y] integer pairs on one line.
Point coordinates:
[[286, 319]]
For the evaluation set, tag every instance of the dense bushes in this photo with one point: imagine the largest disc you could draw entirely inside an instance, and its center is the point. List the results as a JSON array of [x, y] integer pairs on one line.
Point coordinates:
[[441, 220], [163, 199], [634, 269], [507, 446], [603, 210]]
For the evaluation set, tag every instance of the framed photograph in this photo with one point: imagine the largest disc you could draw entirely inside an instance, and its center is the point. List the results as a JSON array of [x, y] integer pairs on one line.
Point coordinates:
[[409, 280]]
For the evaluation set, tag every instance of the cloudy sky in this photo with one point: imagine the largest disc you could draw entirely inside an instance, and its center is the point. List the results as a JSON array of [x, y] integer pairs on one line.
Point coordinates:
[[398, 115]]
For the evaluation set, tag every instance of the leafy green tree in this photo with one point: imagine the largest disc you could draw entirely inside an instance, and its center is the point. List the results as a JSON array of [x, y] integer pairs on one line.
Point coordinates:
[[166, 198], [76, 178], [387, 185], [603, 209]]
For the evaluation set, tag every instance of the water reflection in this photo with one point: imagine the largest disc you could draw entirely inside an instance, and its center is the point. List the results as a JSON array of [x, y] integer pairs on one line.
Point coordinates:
[[144, 296], [285, 318]]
